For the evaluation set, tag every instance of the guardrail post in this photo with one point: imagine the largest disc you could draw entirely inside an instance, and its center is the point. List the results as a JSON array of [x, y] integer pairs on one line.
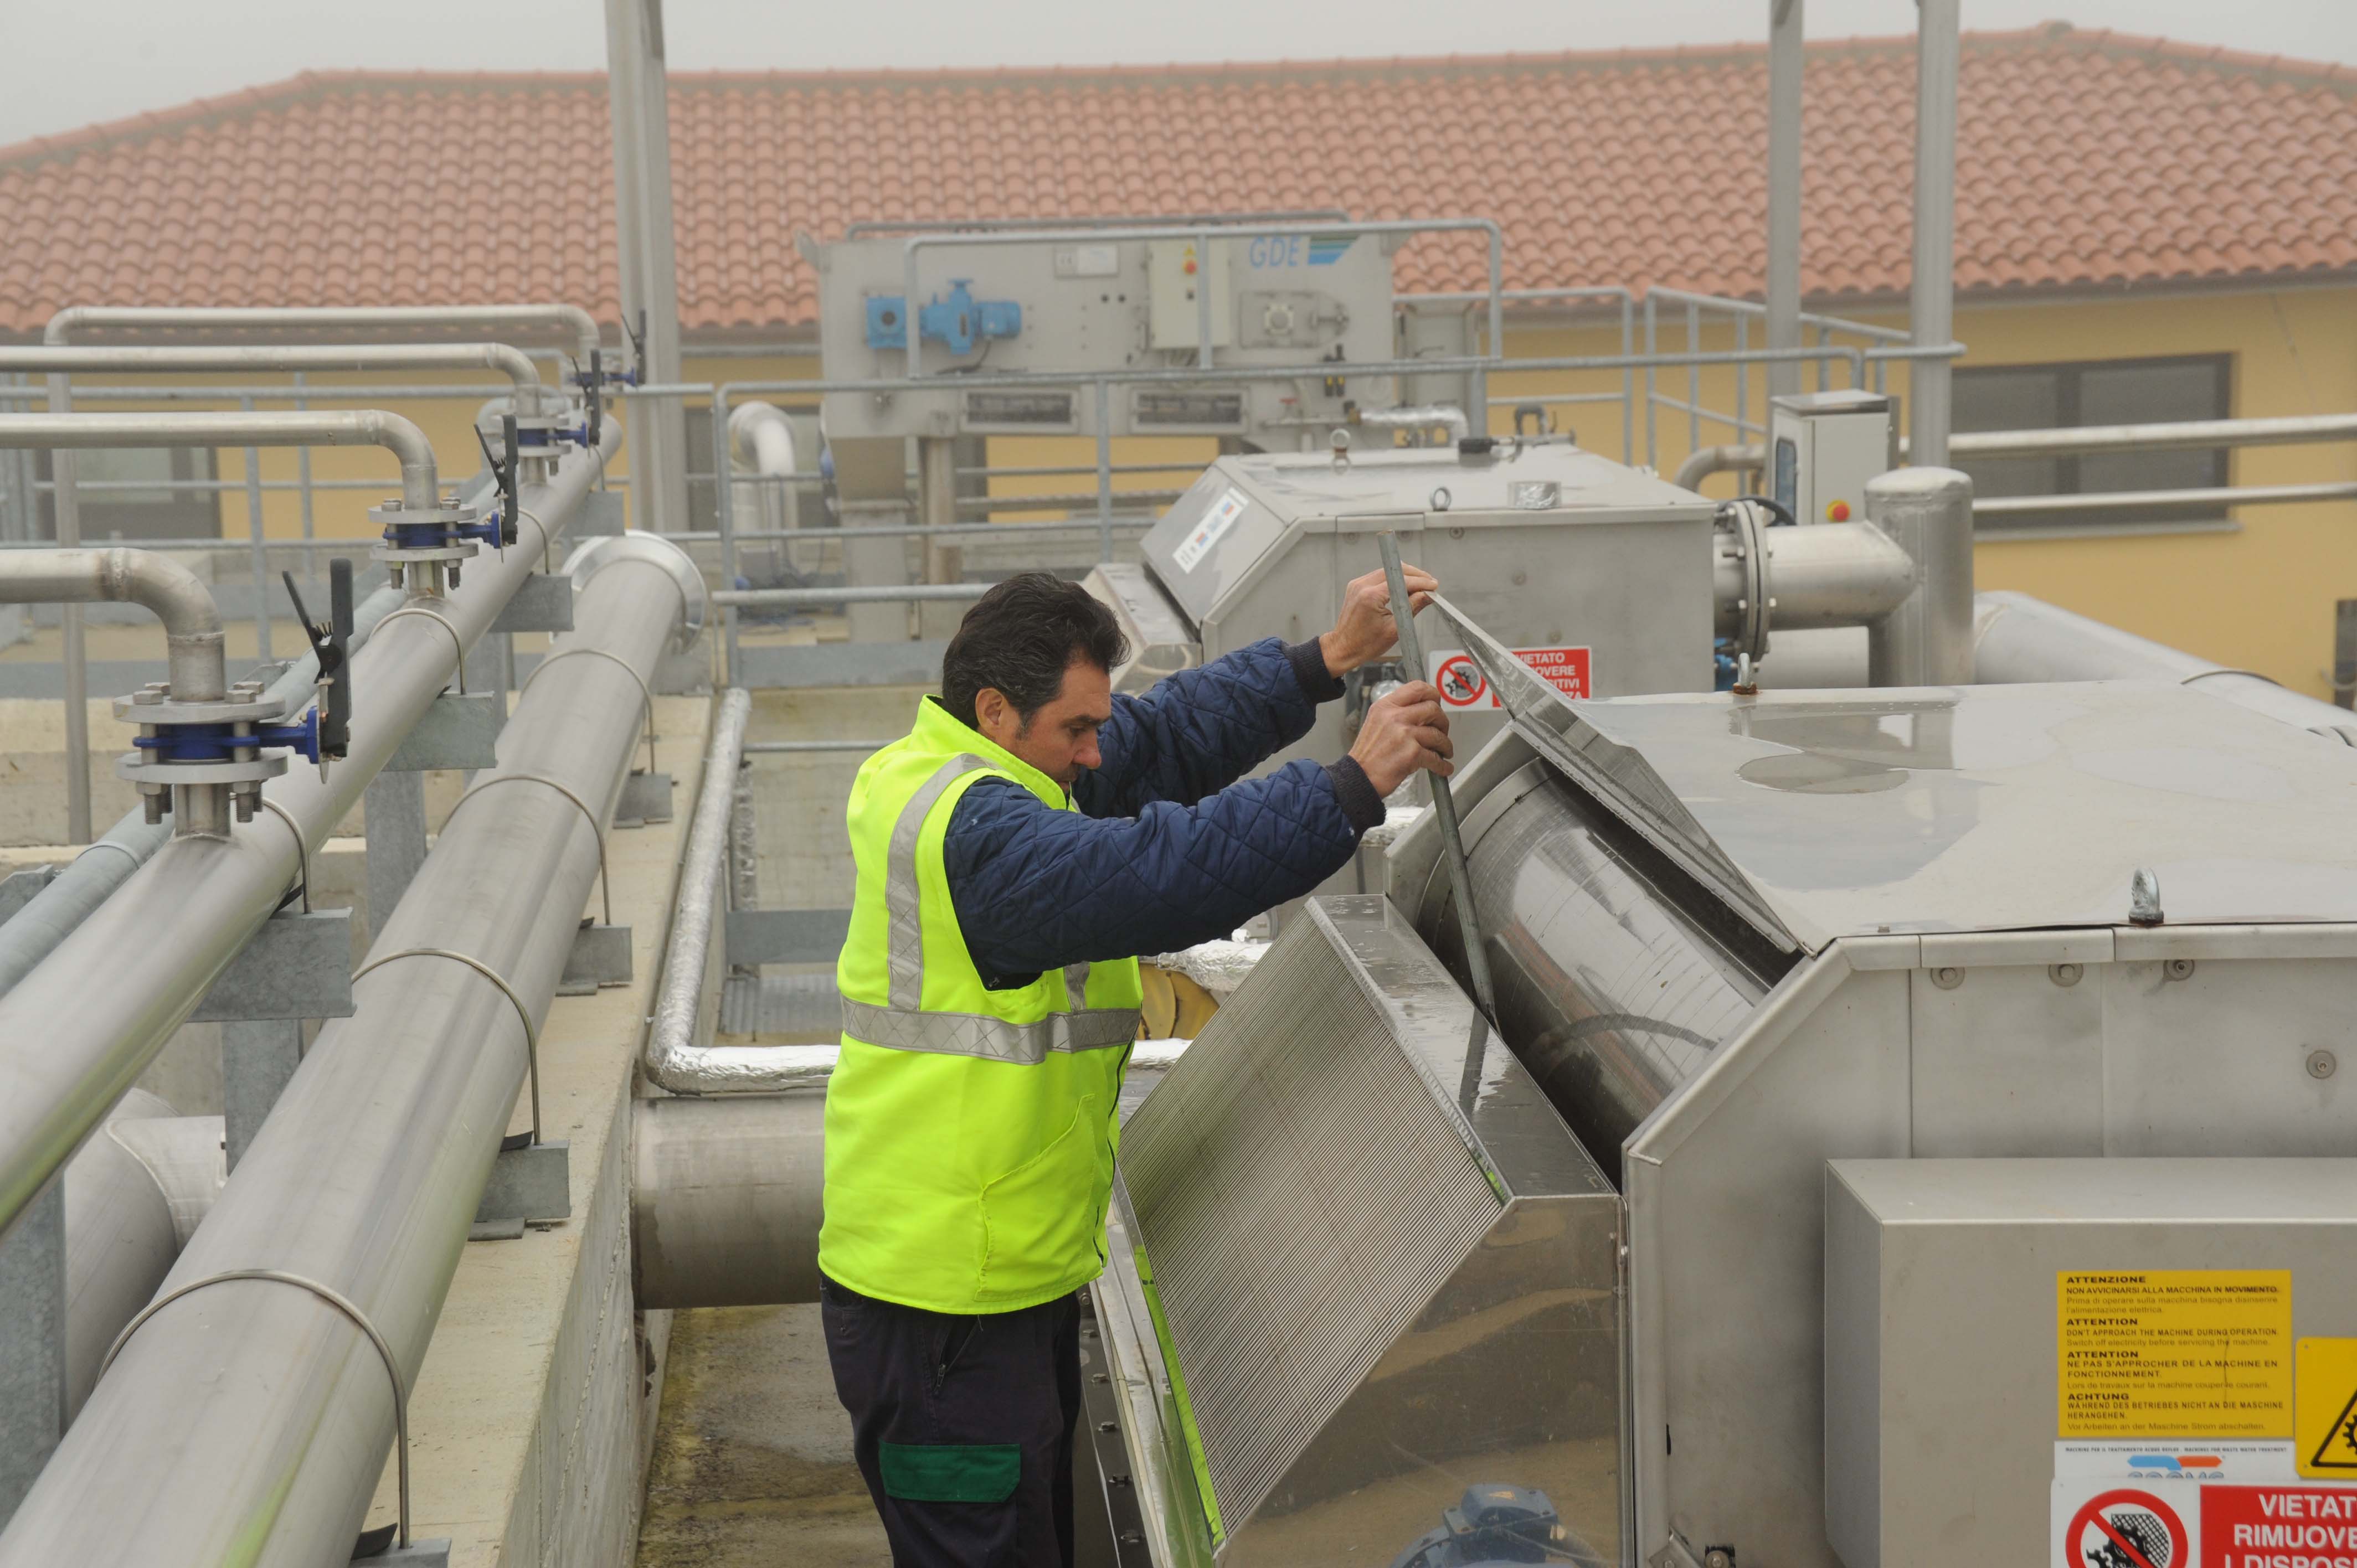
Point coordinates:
[[1104, 469], [261, 550]]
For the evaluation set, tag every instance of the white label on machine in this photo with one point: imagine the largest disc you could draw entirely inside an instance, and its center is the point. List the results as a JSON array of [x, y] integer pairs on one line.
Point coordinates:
[[1463, 685], [1216, 523]]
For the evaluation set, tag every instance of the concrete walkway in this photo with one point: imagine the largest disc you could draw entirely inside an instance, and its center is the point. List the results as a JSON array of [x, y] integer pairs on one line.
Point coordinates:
[[752, 1463]]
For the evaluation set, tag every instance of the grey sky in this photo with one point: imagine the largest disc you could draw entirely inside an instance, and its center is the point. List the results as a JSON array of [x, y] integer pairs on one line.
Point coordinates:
[[64, 65]]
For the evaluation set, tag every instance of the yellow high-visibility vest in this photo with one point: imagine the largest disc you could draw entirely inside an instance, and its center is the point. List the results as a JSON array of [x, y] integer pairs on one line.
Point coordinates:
[[970, 1134]]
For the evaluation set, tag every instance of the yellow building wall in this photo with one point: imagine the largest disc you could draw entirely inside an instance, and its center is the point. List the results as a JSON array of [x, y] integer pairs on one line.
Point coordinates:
[[2258, 597]]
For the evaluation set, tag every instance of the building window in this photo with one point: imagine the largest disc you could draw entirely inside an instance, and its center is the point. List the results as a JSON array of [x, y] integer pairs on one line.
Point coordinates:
[[129, 493], [2107, 391]]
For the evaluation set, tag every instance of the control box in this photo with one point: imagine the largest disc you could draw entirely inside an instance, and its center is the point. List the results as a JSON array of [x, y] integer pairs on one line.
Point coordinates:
[[1824, 447]]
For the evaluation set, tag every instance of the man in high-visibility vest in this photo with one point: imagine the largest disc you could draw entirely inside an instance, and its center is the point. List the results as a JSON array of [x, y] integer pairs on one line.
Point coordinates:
[[1031, 834]]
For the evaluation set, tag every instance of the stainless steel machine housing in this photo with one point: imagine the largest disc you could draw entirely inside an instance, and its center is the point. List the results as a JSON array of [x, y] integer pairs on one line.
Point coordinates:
[[1734, 938]]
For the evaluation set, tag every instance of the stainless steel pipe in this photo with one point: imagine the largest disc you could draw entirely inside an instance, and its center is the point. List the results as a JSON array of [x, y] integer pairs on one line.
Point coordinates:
[[420, 486], [79, 1030], [2019, 638], [77, 319], [2173, 436], [512, 363], [726, 1200], [196, 652], [1928, 639], [33, 931], [1835, 573], [248, 1422], [1931, 270]]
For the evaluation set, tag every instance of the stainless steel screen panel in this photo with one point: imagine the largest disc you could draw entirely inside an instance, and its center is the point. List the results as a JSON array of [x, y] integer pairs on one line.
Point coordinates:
[[1293, 1143], [1386, 1267]]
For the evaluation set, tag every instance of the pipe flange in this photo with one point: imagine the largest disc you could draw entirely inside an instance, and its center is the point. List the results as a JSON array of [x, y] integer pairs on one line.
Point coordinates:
[[451, 513], [134, 768], [153, 705], [405, 554], [1750, 541], [593, 555]]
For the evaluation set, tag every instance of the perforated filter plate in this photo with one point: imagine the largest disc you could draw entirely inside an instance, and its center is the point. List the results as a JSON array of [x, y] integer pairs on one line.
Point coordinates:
[[1301, 1189]]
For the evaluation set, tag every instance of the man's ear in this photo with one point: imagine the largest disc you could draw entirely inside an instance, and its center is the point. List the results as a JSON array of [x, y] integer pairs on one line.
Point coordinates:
[[990, 710]]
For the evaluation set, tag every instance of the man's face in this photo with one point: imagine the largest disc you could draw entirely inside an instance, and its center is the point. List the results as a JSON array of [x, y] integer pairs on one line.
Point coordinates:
[[1061, 740]]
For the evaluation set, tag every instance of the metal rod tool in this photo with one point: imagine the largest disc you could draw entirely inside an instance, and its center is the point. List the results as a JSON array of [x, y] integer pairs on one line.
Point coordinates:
[[1460, 880]]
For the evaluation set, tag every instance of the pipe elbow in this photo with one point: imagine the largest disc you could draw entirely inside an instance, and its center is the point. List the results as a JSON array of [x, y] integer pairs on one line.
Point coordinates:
[[759, 435], [521, 374], [421, 482], [195, 648]]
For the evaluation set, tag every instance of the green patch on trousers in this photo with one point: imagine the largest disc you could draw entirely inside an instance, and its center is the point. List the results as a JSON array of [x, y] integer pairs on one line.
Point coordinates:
[[951, 1471]]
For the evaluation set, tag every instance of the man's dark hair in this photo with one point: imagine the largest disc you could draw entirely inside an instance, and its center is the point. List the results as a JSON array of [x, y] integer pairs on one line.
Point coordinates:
[[1021, 636]]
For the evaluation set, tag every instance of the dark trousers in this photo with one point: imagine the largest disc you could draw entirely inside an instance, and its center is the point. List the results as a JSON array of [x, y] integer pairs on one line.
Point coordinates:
[[962, 1426]]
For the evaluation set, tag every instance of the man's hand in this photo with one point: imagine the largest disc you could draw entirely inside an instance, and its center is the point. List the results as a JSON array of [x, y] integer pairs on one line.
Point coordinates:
[[1364, 631], [1405, 730]]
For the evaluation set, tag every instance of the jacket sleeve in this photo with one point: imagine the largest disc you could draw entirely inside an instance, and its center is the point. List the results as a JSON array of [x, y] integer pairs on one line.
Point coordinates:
[[1201, 730], [1036, 888]]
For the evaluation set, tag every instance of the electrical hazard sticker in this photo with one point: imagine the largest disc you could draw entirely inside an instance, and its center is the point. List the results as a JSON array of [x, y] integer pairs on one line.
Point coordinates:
[[1463, 685], [2157, 1353], [2324, 1435]]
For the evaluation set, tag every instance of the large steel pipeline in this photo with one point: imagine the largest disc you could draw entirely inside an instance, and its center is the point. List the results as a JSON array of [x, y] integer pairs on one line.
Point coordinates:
[[2021, 639], [420, 487], [80, 1029], [52, 359], [33, 931], [75, 319], [196, 652], [725, 1199], [1835, 573], [247, 1422]]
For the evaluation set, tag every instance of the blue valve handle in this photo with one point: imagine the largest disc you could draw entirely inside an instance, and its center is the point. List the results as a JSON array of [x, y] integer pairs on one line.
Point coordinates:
[[216, 742]]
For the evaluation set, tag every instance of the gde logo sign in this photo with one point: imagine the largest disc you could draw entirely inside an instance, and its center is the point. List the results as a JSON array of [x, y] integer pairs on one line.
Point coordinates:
[[1296, 249]]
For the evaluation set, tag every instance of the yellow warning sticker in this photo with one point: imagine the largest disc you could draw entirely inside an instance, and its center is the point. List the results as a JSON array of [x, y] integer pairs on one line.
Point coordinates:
[[2326, 1403], [2174, 1353]]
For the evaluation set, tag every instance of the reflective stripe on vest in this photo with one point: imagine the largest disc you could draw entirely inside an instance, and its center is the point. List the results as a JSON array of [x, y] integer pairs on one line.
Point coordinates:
[[906, 1025]]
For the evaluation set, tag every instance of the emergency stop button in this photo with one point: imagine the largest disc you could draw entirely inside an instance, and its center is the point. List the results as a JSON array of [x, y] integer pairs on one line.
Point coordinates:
[[1837, 512]]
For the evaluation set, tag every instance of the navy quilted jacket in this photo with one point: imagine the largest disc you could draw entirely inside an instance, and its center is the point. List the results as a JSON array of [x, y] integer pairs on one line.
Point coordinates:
[[1166, 849]]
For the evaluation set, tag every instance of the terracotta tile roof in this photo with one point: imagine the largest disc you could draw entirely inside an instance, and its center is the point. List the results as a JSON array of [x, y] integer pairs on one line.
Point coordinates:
[[2085, 160]]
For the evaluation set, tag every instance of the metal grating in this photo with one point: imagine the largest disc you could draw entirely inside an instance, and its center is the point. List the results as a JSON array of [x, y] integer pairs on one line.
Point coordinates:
[[1301, 1193], [804, 1007]]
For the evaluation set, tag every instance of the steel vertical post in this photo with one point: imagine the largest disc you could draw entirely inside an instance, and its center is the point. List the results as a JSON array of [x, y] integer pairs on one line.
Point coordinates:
[[1930, 298], [260, 551], [638, 95], [1104, 470], [75, 652], [1785, 64]]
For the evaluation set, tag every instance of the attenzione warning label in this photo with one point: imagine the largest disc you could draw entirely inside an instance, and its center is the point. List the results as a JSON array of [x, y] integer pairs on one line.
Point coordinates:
[[2174, 1353]]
